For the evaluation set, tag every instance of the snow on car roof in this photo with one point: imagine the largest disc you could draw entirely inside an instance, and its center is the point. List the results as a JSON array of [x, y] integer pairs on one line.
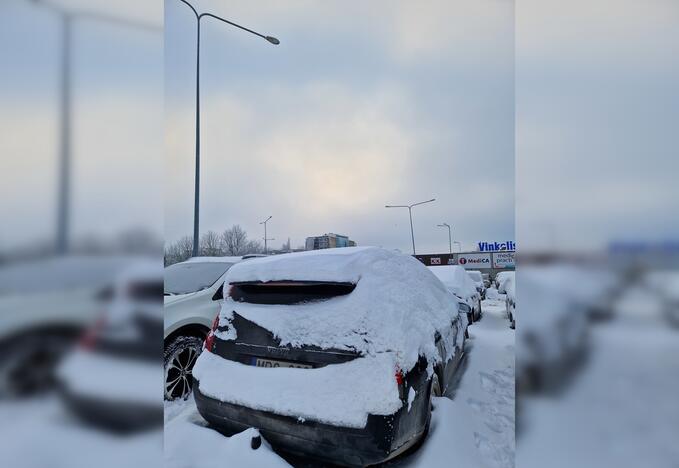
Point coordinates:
[[456, 279], [397, 305], [339, 265], [232, 259]]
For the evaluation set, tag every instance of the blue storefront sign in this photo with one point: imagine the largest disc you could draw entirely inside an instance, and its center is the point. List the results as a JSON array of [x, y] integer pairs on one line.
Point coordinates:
[[505, 246]]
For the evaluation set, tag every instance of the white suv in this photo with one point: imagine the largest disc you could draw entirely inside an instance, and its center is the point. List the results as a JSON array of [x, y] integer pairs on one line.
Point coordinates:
[[193, 297]]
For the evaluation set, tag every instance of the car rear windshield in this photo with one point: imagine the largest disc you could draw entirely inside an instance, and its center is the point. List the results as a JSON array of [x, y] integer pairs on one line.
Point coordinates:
[[288, 292], [183, 278]]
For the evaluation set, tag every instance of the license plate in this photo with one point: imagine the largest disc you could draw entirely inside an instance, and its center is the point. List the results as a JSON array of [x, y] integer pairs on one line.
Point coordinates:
[[259, 362]]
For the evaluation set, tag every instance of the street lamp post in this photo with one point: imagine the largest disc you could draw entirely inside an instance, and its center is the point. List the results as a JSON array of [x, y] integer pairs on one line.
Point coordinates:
[[266, 248], [410, 213], [459, 246], [196, 200], [450, 238], [68, 18]]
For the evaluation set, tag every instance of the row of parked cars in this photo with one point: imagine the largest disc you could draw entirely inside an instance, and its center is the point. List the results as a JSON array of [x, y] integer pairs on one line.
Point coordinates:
[[332, 354]]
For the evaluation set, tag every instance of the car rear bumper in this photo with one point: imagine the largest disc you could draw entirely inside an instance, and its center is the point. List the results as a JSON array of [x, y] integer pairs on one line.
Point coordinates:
[[374, 443], [112, 415]]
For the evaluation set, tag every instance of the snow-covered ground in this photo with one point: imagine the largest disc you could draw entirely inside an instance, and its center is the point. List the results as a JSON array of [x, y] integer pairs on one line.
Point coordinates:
[[475, 428], [622, 408], [40, 433]]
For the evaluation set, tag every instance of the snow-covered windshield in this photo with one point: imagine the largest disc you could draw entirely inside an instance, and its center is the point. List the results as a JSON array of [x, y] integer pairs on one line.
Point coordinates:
[[183, 278]]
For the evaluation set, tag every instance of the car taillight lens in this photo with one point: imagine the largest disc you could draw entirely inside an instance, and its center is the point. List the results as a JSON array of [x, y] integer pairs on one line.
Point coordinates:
[[400, 383], [399, 377], [210, 339], [89, 338]]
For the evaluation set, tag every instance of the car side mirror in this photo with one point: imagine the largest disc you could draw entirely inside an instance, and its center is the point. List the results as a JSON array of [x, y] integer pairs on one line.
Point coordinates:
[[219, 293], [464, 309]]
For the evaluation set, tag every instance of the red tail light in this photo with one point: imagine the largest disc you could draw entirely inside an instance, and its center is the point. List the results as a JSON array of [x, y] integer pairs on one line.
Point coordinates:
[[399, 377], [210, 339], [89, 338], [400, 383]]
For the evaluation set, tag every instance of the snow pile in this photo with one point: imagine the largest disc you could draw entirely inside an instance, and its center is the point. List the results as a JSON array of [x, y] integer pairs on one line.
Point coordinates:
[[456, 279], [340, 394], [190, 445], [492, 294], [396, 306]]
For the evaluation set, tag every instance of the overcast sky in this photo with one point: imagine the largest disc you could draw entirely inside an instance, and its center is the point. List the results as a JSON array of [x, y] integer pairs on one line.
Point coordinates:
[[362, 104], [597, 109], [116, 127]]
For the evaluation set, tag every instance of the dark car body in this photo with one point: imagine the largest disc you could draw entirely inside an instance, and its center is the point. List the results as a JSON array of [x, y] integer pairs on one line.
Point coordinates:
[[122, 346]]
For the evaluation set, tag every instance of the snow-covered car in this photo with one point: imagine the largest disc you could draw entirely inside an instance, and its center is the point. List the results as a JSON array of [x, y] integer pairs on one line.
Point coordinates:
[[44, 307], [192, 299], [588, 287], [665, 283], [553, 337], [332, 354], [460, 284], [501, 278], [486, 280], [111, 378], [477, 278]]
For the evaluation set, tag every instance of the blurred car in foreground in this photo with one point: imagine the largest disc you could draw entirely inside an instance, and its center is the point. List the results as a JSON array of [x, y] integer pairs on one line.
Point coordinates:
[[192, 299], [665, 283], [44, 306], [553, 336], [460, 284], [332, 354], [111, 379]]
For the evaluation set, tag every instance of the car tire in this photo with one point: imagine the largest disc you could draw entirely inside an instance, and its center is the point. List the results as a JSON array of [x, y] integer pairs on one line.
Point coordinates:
[[179, 357], [28, 363]]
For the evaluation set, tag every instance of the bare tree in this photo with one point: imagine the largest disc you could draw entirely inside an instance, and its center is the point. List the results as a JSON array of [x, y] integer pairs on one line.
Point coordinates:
[[234, 241], [210, 244], [253, 247], [179, 251]]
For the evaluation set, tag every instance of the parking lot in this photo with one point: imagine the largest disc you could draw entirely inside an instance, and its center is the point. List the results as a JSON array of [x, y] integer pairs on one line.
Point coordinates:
[[474, 420]]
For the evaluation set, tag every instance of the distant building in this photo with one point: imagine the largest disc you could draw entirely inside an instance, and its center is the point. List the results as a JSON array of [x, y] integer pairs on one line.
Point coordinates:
[[328, 241]]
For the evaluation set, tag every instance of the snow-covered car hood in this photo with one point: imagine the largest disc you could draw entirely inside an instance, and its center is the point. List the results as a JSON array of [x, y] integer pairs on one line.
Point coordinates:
[[396, 306]]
